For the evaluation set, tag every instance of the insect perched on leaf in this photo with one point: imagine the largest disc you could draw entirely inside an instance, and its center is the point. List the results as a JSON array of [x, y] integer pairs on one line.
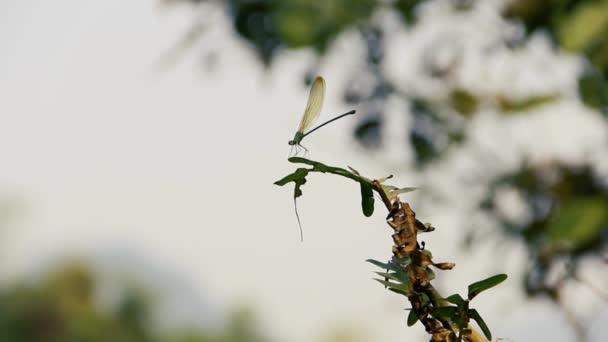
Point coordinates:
[[311, 113]]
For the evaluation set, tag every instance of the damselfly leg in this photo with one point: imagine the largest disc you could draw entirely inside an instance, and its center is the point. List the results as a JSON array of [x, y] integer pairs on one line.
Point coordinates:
[[306, 152]]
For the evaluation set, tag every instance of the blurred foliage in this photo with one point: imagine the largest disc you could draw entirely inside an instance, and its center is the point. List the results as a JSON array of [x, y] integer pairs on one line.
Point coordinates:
[[579, 26], [567, 217], [343, 334], [568, 210], [273, 24], [63, 307], [594, 90]]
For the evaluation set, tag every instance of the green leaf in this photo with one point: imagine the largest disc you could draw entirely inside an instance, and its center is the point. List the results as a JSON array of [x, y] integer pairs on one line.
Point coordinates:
[[302, 161], [464, 102], [583, 26], [456, 299], [385, 266], [412, 318], [593, 89], [449, 312], [293, 177], [367, 199], [424, 298], [508, 106], [406, 9], [401, 261], [320, 167], [298, 178], [475, 315], [397, 276], [297, 28], [367, 186], [399, 292], [578, 223], [401, 287], [478, 287], [391, 276]]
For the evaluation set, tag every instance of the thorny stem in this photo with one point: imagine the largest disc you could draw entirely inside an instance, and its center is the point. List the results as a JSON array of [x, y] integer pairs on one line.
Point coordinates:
[[403, 220], [432, 325], [380, 190]]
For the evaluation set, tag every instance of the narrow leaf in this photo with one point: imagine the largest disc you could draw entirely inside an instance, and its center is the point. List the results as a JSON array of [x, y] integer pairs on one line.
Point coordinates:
[[296, 175], [367, 199], [397, 276], [302, 161], [392, 276], [445, 312], [401, 261], [400, 287], [354, 171], [477, 317], [298, 178], [399, 292], [412, 318], [455, 299], [478, 287], [383, 265]]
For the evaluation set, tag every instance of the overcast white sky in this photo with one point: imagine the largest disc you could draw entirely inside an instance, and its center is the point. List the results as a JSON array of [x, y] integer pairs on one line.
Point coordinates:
[[112, 157]]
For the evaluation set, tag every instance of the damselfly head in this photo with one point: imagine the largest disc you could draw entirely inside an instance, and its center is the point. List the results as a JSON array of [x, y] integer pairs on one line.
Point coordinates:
[[291, 142]]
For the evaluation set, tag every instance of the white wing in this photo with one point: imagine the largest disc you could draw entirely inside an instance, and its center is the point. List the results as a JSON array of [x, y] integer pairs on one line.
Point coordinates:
[[314, 105]]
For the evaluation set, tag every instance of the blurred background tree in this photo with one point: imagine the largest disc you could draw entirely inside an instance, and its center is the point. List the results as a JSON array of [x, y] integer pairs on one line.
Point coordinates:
[[564, 218], [64, 306]]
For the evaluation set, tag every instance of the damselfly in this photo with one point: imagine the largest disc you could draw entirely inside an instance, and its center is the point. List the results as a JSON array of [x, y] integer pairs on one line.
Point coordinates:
[[311, 113]]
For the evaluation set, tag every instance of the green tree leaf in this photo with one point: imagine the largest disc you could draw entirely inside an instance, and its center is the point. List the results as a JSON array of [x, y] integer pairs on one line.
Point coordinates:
[[412, 318], [367, 199], [401, 261], [456, 299], [399, 276], [475, 315], [399, 292], [478, 287], [464, 102], [367, 185], [298, 178], [593, 88], [446, 312], [579, 222], [385, 266], [401, 287], [509, 106]]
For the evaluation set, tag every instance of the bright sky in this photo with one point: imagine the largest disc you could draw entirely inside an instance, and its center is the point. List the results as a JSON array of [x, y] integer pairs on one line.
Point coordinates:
[[171, 171]]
